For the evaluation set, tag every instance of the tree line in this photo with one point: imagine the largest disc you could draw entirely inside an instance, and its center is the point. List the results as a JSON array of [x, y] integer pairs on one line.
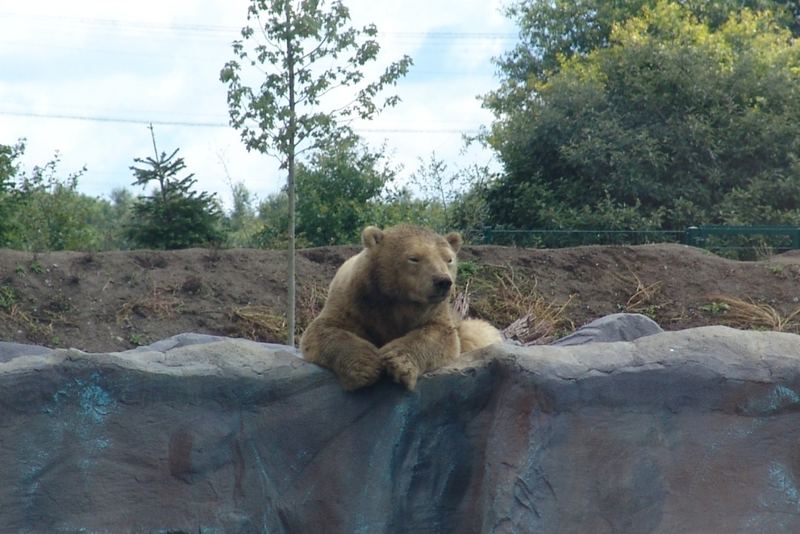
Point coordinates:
[[645, 114], [341, 189]]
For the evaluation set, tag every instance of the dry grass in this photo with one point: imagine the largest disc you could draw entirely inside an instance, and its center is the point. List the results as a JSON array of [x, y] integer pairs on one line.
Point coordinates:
[[763, 250], [34, 329], [643, 296], [159, 303], [542, 326], [461, 302], [507, 298], [311, 299], [260, 323], [750, 314]]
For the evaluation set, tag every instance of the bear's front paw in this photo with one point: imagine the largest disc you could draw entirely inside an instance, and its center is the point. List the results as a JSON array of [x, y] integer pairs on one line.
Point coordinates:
[[360, 369], [401, 368]]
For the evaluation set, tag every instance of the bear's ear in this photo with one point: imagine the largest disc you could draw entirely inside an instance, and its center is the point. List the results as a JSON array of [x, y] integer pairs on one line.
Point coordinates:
[[454, 238], [371, 236]]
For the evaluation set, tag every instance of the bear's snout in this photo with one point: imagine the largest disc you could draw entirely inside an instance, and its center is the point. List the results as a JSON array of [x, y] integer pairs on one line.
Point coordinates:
[[442, 284]]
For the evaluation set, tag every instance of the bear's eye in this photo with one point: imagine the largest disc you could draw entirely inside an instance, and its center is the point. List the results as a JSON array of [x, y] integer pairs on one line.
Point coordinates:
[[449, 260], [413, 259]]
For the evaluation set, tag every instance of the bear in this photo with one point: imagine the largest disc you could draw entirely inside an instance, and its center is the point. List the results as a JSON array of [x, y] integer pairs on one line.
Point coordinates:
[[388, 310]]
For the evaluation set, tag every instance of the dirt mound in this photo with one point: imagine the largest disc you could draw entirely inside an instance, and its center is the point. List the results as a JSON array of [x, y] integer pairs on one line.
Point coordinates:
[[117, 300]]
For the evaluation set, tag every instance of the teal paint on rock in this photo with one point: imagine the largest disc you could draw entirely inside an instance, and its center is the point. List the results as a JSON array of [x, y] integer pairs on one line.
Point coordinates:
[[781, 478], [779, 399], [79, 411], [95, 403]]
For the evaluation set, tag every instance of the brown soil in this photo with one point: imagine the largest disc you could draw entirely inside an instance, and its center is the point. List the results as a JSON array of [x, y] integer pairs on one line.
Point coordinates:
[[117, 300]]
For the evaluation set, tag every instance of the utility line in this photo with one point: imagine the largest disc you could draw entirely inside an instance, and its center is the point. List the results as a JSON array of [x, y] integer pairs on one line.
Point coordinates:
[[92, 118], [200, 124], [118, 24]]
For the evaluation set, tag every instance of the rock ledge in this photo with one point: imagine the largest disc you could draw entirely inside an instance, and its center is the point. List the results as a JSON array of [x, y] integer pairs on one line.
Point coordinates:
[[689, 431]]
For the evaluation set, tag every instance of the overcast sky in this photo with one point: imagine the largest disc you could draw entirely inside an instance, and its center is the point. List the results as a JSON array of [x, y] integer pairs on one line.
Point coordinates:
[[85, 77]]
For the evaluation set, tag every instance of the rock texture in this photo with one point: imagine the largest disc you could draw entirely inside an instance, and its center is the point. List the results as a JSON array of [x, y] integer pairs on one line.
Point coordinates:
[[689, 431], [614, 327]]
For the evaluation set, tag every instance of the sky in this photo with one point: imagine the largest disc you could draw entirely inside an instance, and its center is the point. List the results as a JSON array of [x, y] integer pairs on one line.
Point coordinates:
[[84, 78]]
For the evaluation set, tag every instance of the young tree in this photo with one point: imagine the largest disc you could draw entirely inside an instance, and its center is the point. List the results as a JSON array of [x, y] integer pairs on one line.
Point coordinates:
[[469, 211], [50, 214], [435, 183], [115, 218], [42, 209], [9, 167], [173, 216], [305, 54], [273, 214], [335, 188], [241, 224]]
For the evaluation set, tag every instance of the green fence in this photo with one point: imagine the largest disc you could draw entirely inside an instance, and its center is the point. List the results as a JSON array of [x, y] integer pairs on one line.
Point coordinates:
[[779, 238], [743, 242], [574, 238]]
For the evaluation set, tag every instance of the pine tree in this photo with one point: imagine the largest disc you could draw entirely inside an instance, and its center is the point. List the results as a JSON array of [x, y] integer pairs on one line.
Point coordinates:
[[172, 216]]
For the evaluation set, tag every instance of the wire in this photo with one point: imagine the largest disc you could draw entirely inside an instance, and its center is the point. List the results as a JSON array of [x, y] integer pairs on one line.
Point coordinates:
[[94, 118], [118, 24], [200, 124]]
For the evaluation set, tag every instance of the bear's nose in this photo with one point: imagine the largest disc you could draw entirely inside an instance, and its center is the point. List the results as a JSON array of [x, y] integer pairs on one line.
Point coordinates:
[[442, 284]]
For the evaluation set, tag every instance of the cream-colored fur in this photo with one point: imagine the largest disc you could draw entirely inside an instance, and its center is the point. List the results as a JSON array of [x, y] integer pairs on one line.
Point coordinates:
[[388, 310], [476, 334]]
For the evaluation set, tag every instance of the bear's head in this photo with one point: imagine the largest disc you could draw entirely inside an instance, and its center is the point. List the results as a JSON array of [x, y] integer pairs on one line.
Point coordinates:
[[412, 264]]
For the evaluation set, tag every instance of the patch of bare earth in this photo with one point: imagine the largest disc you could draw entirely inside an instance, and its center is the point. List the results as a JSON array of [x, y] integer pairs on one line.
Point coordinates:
[[117, 300]]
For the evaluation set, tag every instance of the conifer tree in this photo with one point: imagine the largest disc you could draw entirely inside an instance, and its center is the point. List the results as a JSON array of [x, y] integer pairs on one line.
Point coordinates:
[[172, 216]]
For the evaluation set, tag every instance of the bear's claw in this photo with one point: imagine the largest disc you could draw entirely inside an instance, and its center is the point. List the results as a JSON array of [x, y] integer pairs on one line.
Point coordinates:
[[402, 370], [361, 370]]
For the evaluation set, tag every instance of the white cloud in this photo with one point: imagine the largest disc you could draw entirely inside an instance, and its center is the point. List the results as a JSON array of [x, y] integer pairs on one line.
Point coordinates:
[[160, 61]]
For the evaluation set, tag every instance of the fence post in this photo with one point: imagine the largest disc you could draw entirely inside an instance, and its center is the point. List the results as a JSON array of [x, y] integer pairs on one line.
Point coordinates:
[[690, 236], [487, 235]]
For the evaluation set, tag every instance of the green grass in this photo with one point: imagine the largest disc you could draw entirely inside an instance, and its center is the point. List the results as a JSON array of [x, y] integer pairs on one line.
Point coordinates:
[[7, 297]]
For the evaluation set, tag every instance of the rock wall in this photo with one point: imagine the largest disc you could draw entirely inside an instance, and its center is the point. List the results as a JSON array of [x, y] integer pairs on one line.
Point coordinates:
[[690, 431]]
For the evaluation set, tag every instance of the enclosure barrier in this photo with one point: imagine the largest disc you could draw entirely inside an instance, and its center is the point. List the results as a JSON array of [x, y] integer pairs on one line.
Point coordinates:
[[742, 241], [698, 236]]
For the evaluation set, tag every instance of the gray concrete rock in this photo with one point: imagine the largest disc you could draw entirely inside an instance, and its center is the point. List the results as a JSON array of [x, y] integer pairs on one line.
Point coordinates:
[[615, 327], [10, 350], [690, 431]]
